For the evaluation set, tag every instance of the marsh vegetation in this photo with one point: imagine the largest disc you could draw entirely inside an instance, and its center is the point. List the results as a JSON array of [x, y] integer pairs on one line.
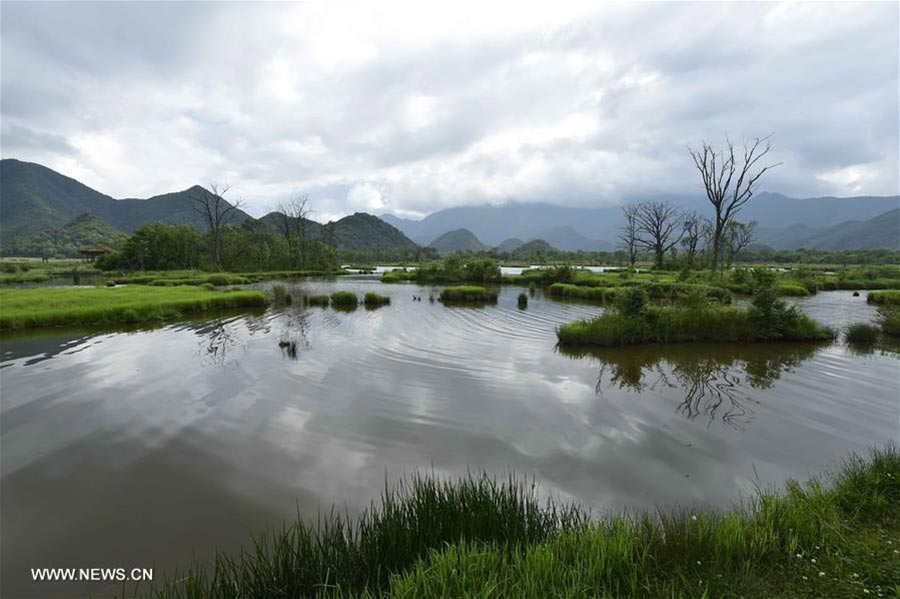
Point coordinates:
[[830, 536]]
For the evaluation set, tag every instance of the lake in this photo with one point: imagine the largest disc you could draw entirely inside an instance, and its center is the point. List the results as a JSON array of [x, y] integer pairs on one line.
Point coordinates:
[[147, 447]]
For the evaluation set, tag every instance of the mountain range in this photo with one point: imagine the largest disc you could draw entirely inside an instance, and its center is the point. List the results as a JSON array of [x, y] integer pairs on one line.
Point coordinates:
[[827, 222], [39, 206]]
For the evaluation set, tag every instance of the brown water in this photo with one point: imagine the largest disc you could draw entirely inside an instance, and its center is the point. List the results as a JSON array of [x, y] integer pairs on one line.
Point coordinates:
[[147, 447]]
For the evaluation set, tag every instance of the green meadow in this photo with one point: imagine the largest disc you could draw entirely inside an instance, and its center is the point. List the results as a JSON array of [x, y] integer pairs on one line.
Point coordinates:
[[46, 307]]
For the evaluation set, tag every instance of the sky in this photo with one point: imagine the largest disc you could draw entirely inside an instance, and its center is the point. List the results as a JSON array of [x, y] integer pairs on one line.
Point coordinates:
[[413, 107]]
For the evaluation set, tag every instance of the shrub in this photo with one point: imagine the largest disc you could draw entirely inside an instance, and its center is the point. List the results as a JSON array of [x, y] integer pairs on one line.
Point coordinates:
[[208, 286], [632, 302], [373, 300], [862, 332], [344, 299]]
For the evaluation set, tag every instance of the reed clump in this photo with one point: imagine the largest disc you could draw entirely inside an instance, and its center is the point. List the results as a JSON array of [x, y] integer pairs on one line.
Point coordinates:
[[522, 301], [468, 294], [346, 300], [374, 300], [435, 538], [862, 332]]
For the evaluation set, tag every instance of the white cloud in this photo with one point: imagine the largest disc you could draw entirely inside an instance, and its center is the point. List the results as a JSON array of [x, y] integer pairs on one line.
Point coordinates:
[[411, 107]]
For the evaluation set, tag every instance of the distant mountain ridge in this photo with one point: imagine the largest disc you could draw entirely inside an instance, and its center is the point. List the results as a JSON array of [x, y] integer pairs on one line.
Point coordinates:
[[883, 231], [597, 228]]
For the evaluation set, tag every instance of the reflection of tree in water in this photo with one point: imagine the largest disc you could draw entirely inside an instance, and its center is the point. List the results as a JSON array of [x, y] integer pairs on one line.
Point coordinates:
[[293, 337], [714, 378], [221, 337]]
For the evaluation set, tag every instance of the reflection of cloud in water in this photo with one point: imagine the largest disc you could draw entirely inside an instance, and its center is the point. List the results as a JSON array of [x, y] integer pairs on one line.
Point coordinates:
[[714, 378]]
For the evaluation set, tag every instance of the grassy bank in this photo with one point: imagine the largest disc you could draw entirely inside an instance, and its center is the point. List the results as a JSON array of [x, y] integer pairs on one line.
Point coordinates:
[[45, 307], [468, 294], [884, 298], [633, 322], [832, 536]]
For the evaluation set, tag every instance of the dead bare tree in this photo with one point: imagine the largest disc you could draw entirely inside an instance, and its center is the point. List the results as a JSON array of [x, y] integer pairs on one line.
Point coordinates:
[[628, 234], [729, 181], [290, 219], [692, 224], [737, 237], [660, 228], [215, 212]]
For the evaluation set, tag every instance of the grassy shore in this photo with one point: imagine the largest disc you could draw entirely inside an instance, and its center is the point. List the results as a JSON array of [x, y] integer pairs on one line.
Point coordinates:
[[884, 298], [833, 536], [468, 294], [45, 307]]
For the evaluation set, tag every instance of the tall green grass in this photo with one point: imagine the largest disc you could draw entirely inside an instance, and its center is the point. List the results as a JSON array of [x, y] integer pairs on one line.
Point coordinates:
[[477, 537], [889, 319], [468, 294], [862, 332], [413, 518], [44, 307]]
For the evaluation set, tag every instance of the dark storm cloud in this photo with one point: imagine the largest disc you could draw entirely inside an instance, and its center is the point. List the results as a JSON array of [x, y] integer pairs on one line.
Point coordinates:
[[412, 108]]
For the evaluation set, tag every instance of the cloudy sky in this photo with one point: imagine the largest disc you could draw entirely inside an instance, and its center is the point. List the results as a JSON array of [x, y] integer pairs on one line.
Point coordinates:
[[409, 108]]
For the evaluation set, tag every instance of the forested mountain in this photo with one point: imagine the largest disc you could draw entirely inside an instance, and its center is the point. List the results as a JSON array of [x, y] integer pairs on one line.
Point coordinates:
[[86, 230], [36, 199], [459, 240], [363, 231], [41, 209]]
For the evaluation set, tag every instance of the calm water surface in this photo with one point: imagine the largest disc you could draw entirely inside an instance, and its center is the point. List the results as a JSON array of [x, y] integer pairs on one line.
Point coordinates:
[[145, 448]]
